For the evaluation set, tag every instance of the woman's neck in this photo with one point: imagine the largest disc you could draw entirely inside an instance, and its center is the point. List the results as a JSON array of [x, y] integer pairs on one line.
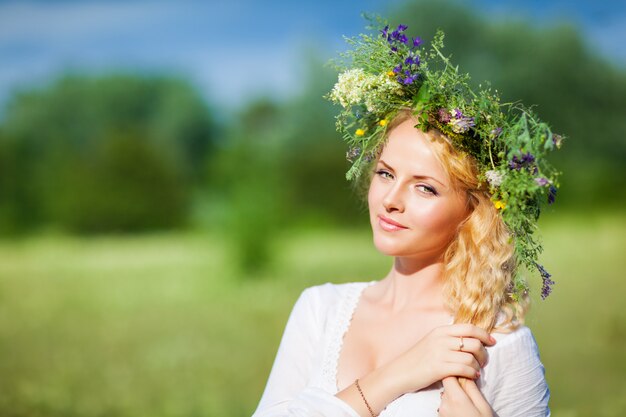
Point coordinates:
[[413, 285]]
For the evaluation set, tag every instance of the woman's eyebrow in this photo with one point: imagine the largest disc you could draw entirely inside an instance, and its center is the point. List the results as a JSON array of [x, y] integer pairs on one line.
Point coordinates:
[[385, 164], [417, 177], [420, 177]]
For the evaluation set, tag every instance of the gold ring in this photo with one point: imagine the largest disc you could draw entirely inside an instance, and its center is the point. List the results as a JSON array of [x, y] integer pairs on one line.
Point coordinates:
[[461, 345]]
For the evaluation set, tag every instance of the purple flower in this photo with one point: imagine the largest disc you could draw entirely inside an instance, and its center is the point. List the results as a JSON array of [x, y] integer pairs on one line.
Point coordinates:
[[541, 181], [406, 75], [417, 42], [444, 115], [460, 123], [385, 31], [410, 79], [525, 161], [395, 36], [546, 287], [528, 158], [551, 194], [412, 60], [514, 163]]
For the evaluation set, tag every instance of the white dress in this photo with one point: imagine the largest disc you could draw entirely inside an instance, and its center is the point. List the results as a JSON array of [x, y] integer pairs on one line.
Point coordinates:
[[303, 380]]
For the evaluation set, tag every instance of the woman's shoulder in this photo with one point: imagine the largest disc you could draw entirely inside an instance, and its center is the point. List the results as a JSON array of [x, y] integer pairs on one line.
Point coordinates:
[[513, 381], [521, 335], [515, 347]]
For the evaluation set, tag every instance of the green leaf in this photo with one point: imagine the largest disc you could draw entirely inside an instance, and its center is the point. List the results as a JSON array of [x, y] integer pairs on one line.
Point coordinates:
[[423, 95]]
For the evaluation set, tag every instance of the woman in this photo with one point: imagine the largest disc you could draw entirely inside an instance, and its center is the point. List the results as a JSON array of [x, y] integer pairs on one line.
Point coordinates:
[[455, 184]]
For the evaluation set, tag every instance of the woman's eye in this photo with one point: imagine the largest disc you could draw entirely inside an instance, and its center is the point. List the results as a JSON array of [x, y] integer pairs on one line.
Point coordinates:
[[384, 174], [427, 189]]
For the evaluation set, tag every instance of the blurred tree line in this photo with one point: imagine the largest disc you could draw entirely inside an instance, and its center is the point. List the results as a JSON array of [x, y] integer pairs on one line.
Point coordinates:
[[126, 153], [118, 153]]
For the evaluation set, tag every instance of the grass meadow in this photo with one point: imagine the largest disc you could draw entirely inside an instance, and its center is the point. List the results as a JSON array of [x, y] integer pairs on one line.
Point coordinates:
[[166, 325]]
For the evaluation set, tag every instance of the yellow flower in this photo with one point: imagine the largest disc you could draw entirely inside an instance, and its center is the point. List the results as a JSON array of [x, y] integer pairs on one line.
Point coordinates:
[[383, 122], [360, 132], [390, 73], [500, 205]]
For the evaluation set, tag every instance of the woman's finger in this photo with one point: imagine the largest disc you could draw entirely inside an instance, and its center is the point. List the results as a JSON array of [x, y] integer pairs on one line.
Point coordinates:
[[471, 346], [453, 398], [451, 387], [463, 358], [469, 330], [472, 391], [459, 370]]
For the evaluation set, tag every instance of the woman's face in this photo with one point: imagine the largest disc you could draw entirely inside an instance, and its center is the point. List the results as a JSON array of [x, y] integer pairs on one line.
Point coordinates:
[[414, 209]]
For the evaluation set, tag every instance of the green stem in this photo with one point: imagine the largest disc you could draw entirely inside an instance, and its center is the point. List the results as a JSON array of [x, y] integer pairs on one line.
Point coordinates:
[[491, 157], [444, 59]]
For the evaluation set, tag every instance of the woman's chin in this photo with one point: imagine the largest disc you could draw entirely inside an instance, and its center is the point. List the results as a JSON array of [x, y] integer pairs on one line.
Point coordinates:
[[389, 248]]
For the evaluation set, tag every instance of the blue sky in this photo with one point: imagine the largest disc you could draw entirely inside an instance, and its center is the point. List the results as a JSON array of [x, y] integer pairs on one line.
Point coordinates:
[[229, 49]]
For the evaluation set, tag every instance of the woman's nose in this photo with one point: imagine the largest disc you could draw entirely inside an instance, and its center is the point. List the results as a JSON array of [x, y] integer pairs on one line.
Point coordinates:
[[393, 200]]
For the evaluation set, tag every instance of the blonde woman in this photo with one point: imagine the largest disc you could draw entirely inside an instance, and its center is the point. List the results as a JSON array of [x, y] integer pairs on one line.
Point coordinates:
[[441, 334]]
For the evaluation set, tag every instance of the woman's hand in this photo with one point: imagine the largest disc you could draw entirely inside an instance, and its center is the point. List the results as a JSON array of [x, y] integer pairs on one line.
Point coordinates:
[[463, 401], [456, 350]]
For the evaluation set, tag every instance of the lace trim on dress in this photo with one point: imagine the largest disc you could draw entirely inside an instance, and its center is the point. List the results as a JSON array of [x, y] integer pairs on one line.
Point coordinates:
[[346, 309]]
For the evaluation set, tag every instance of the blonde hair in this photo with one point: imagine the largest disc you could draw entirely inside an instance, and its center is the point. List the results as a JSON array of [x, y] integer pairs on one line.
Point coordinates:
[[479, 263]]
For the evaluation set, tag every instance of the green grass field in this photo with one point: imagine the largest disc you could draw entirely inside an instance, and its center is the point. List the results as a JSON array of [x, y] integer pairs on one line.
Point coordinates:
[[165, 325]]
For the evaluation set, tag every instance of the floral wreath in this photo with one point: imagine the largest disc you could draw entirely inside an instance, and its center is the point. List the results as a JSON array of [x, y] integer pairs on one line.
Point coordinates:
[[386, 72]]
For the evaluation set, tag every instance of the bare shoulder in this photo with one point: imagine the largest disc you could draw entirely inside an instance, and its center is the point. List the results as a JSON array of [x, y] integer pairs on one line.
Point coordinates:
[[520, 334]]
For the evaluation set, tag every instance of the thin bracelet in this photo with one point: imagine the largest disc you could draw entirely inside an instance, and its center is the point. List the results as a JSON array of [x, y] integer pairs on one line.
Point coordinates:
[[356, 382]]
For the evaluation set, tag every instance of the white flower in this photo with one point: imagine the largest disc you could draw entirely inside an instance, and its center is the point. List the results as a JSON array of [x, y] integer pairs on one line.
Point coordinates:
[[349, 88], [379, 90], [356, 87], [494, 178]]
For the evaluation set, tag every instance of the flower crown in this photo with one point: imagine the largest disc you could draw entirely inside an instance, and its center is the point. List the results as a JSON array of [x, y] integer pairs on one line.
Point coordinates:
[[387, 72]]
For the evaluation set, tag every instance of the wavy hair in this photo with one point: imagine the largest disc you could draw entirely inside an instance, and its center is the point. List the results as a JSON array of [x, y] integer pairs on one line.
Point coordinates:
[[479, 263]]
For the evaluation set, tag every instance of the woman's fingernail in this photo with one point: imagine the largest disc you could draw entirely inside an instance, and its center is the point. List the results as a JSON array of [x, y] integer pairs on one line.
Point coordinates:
[[492, 339], [477, 374]]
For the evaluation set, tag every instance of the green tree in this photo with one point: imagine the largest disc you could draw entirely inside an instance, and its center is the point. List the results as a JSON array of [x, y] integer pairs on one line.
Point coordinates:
[[114, 153], [315, 156], [250, 180]]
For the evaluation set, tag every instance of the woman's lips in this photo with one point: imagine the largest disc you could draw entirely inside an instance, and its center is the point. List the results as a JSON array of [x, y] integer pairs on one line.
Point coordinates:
[[390, 225]]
